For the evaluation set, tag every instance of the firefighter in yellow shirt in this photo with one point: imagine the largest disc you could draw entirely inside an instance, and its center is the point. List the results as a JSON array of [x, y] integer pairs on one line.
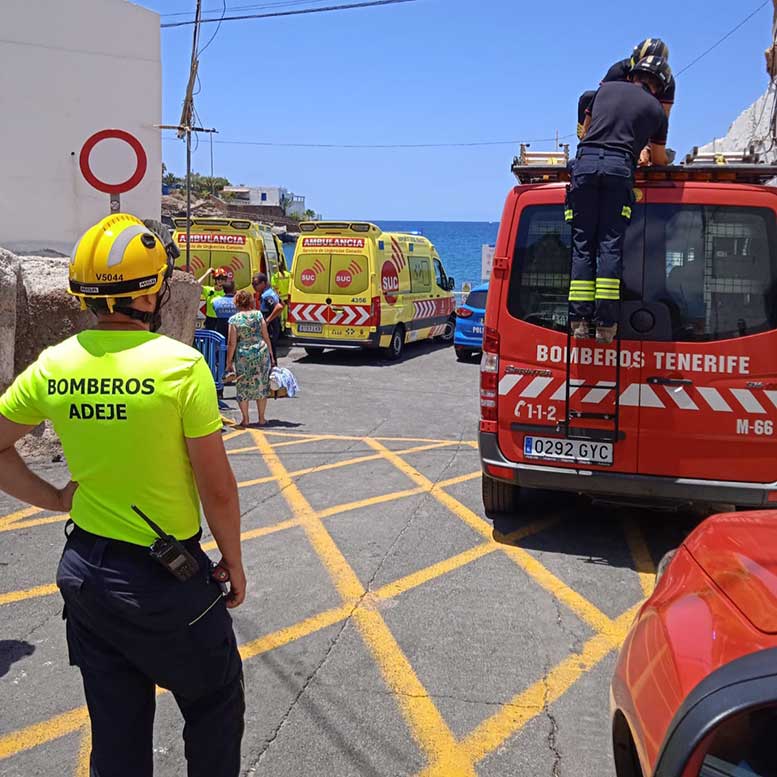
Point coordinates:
[[139, 422]]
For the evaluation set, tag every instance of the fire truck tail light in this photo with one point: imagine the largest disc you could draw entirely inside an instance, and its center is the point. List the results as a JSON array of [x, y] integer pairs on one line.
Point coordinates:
[[489, 363], [490, 342]]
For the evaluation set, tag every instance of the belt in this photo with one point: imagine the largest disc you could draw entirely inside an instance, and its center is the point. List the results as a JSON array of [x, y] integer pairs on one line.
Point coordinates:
[[127, 548], [604, 152]]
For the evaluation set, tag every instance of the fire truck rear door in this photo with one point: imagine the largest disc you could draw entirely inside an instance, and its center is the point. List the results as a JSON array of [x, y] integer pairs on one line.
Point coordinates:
[[708, 393]]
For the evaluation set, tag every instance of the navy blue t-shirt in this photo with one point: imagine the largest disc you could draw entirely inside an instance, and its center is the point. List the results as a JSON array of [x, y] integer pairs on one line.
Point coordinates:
[[625, 117]]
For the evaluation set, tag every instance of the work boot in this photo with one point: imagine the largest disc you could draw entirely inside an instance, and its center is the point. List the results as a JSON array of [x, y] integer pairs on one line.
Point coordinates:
[[606, 334], [581, 329]]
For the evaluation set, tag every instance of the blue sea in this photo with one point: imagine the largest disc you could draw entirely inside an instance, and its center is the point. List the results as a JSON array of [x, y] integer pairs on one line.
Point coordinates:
[[458, 243]]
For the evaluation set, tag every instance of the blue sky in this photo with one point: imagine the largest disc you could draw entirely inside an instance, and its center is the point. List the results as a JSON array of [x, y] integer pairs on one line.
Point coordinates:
[[436, 71]]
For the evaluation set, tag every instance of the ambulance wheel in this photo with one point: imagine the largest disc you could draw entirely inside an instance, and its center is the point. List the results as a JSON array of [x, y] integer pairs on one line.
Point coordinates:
[[450, 330], [314, 352], [397, 344], [499, 497]]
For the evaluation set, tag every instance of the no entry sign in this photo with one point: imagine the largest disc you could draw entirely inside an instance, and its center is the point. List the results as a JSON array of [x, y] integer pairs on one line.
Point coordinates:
[[114, 189]]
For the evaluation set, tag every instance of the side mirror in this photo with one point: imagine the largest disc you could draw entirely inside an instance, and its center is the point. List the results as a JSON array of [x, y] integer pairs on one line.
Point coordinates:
[[451, 284]]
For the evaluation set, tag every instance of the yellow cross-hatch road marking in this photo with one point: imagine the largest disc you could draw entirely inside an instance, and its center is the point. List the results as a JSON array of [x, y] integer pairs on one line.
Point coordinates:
[[422, 716], [11, 597], [84, 752], [512, 716], [18, 515], [448, 757], [578, 604], [643, 561], [21, 520], [66, 723]]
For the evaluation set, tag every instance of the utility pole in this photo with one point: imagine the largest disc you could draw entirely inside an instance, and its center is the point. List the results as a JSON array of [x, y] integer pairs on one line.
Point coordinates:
[[186, 131]]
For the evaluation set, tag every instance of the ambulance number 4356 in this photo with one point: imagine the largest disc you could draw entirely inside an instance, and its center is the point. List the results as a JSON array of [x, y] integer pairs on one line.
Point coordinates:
[[759, 428]]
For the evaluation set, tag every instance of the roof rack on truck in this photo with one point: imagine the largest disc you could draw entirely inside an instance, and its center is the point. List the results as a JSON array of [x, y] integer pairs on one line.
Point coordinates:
[[534, 167]]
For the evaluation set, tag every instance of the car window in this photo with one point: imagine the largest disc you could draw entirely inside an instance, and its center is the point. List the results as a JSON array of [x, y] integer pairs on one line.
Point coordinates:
[[539, 279], [349, 274], [477, 299], [744, 747], [311, 273], [442, 280], [420, 274], [714, 268]]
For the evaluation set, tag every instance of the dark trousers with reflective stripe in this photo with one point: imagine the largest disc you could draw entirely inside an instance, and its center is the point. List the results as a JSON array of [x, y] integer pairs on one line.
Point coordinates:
[[600, 200], [132, 626]]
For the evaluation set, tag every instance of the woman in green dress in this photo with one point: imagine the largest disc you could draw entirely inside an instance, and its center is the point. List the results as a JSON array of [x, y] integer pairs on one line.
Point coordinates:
[[249, 355]]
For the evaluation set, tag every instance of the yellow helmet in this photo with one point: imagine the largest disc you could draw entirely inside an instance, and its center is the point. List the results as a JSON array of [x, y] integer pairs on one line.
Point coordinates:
[[119, 257]]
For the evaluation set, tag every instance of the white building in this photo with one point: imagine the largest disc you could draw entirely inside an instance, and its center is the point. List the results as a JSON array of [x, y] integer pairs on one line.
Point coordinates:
[[70, 69], [268, 197]]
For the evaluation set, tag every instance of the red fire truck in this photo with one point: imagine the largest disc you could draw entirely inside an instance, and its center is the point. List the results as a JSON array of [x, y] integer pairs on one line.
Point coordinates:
[[682, 407]]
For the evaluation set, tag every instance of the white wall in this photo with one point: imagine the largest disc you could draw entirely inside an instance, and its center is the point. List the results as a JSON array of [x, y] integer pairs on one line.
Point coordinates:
[[752, 126], [69, 68]]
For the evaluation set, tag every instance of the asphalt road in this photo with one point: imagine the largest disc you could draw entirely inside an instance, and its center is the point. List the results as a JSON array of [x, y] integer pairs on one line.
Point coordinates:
[[389, 628]]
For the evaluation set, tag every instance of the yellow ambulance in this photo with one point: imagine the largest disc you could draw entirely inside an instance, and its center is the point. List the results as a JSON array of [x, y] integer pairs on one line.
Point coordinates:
[[355, 286], [242, 247]]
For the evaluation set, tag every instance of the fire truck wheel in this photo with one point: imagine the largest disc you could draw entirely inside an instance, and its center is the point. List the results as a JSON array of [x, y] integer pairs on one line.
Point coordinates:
[[397, 344], [499, 497]]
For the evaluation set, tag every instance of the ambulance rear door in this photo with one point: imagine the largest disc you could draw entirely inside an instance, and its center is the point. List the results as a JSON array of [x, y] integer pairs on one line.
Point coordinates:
[[709, 388], [330, 297], [532, 333]]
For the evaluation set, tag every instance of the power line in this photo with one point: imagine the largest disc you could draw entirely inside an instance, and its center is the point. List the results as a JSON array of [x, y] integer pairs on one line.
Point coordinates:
[[345, 7], [724, 38], [218, 27], [252, 7], [378, 146]]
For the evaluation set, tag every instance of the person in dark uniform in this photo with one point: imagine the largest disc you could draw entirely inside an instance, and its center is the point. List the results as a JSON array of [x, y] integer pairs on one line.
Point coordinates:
[[620, 71], [625, 117], [139, 422]]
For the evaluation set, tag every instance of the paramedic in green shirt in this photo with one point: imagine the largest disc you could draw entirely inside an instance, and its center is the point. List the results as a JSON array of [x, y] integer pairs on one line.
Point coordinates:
[[139, 422], [210, 293]]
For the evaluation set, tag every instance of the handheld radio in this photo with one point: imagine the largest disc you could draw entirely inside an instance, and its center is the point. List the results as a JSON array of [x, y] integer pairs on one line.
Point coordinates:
[[170, 553]]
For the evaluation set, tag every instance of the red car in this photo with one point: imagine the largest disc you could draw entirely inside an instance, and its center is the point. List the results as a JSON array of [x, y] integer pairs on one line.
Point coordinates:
[[695, 687]]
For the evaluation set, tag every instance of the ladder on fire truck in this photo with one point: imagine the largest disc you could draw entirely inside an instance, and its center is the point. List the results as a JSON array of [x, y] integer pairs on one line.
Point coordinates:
[[547, 167]]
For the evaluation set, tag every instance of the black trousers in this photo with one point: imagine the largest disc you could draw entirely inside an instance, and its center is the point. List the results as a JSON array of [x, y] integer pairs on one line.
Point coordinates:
[[601, 195], [131, 626]]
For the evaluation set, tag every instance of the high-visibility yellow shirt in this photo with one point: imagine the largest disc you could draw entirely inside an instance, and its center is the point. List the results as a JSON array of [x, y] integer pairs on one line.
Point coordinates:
[[123, 404], [209, 293], [281, 285]]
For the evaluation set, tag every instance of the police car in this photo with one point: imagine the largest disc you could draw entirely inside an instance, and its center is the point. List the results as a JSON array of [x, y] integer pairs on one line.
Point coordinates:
[[468, 336]]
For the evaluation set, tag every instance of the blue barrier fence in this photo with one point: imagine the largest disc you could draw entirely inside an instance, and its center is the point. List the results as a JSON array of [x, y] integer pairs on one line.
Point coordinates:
[[213, 347]]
